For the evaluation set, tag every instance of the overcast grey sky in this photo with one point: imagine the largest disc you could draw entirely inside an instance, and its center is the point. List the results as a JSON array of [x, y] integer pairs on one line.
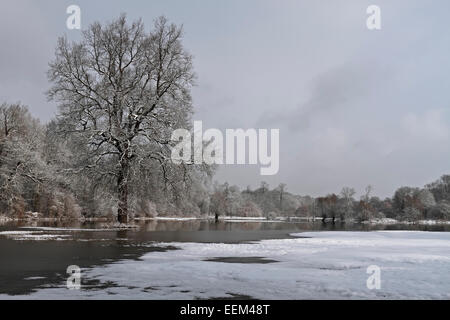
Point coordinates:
[[354, 106]]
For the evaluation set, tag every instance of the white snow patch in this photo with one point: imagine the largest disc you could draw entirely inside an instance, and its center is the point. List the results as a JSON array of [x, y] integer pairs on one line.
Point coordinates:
[[35, 278], [433, 222], [237, 218], [13, 233], [71, 229], [32, 235], [251, 220], [42, 237], [382, 221], [176, 218]]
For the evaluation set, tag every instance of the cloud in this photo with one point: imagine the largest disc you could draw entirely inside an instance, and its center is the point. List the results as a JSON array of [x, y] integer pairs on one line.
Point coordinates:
[[337, 89], [429, 125]]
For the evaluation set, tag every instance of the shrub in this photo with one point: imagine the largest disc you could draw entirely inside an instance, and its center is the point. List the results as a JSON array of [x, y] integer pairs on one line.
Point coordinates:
[[249, 209], [411, 214], [441, 211]]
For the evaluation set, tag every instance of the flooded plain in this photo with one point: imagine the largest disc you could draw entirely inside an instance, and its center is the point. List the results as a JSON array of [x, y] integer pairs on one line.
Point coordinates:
[[36, 255]]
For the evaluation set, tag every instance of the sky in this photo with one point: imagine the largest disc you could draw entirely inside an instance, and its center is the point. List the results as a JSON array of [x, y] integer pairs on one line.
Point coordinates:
[[354, 106]]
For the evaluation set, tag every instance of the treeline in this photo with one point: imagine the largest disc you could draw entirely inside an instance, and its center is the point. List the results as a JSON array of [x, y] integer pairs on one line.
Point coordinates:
[[45, 173], [407, 204], [121, 92]]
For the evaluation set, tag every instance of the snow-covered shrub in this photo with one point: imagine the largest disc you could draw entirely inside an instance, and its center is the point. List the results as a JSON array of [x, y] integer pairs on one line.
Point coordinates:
[[249, 209], [105, 206], [272, 215], [18, 207], [145, 208], [71, 208], [440, 211], [411, 214], [166, 209], [188, 209]]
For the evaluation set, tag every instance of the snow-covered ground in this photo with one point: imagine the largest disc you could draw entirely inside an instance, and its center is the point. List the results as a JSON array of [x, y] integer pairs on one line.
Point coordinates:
[[170, 218], [31, 235], [326, 265], [224, 218]]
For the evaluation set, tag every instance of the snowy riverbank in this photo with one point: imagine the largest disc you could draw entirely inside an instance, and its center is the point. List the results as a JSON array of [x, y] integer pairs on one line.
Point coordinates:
[[109, 224], [323, 265]]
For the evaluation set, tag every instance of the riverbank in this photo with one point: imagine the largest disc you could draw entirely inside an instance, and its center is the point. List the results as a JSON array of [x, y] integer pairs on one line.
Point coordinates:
[[108, 223]]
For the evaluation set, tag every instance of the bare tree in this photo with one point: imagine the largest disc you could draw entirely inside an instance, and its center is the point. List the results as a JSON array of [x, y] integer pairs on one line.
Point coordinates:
[[22, 167], [347, 196], [366, 195], [123, 91], [281, 188], [365, 210], [13, 119], [264, 187]]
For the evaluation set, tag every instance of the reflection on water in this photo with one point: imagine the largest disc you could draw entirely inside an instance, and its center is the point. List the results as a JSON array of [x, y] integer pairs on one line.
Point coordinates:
[[211, 225], [204, 231]]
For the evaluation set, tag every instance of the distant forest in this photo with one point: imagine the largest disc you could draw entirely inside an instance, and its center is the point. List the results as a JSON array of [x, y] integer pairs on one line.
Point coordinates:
[[121, 92], [54, 175], [408, 204]]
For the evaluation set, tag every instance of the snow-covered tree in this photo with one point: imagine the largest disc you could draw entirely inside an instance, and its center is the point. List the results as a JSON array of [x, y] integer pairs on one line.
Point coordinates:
[[346, 203], [122, 91], [441, 211]]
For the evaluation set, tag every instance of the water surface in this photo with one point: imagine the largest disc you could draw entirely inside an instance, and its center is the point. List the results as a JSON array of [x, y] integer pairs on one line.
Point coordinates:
[[29, 264]]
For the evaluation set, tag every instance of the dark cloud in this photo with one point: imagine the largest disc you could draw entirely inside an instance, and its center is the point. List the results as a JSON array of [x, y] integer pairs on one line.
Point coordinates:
[[337, 89]]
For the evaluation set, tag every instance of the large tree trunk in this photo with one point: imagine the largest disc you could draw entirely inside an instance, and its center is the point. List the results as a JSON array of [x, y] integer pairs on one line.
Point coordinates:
[[122, 210]]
